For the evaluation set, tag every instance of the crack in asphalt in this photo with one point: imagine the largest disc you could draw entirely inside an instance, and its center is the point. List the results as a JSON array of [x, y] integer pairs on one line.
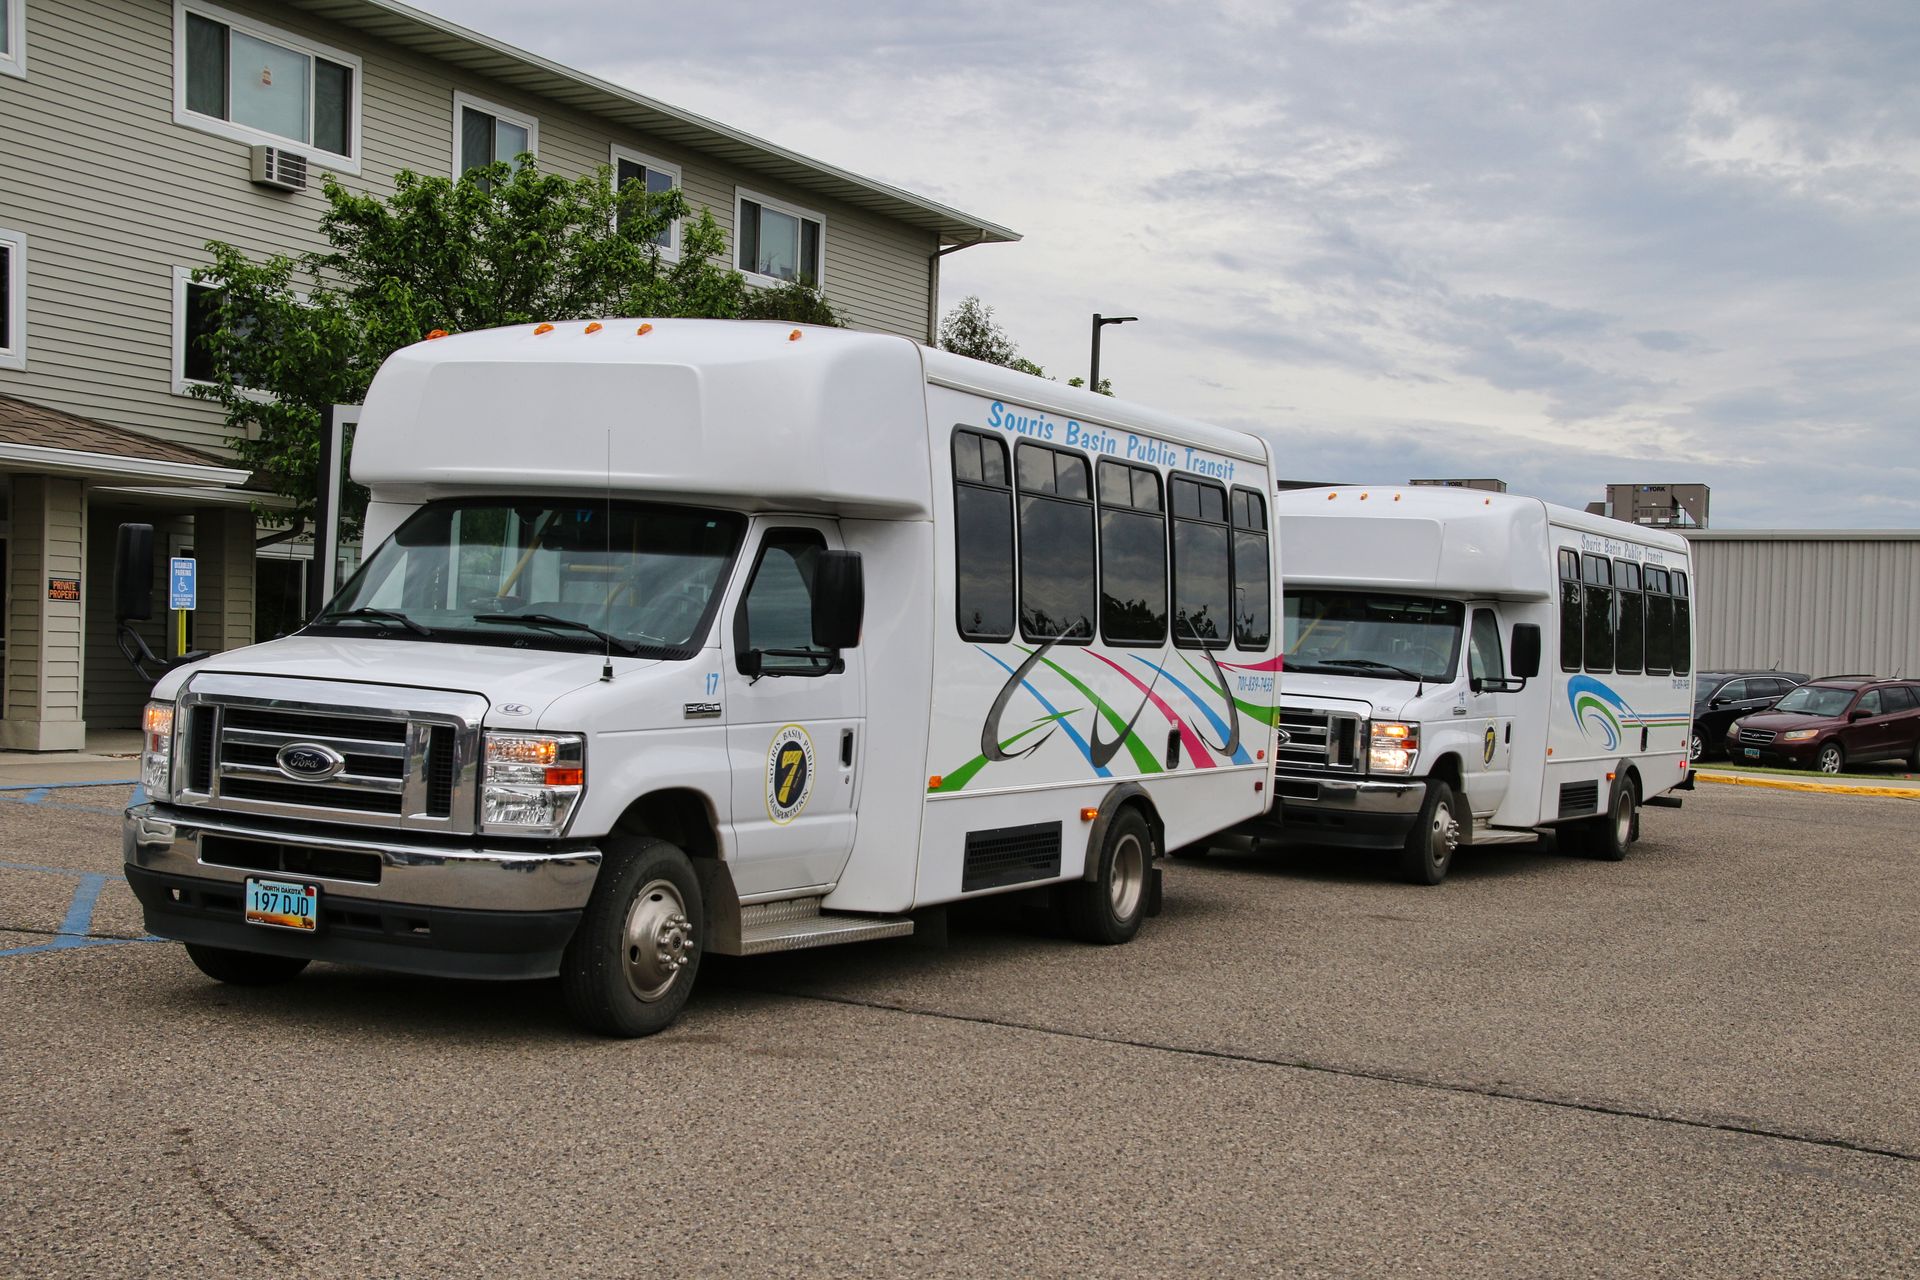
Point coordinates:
[[74, 933], [184, 1135], [1363, 1073]]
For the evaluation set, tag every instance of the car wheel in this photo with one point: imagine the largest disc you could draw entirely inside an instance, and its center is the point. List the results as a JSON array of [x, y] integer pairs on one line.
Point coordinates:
[[1913, 757], [1697, 746], [1428, 853], [634, 956], [1831, 758]]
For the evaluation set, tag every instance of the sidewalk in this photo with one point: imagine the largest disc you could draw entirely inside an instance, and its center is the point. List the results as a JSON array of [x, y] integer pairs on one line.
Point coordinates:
[[1902, 788], [112, 755]]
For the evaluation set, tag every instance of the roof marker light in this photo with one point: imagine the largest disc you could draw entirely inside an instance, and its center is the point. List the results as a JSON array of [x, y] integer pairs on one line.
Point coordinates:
[[592, 328], [434, 333], [1363, 497], [1332, 496], [542, 328], [794, 336], [1396, 497], [643, 331]]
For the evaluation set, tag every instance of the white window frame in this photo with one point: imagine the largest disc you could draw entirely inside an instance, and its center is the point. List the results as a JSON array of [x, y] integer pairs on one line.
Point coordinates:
[[778, 206], [182, 384], [615, 154], [15, 357], [243, 133], [14, 61], [461, 101]]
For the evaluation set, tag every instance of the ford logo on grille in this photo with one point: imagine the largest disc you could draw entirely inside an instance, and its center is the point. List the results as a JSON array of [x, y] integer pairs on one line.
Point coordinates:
[[1282, 737], [309, 761]]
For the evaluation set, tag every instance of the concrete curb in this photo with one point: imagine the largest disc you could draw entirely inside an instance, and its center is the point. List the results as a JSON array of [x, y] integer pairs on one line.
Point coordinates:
[[1819, 788]]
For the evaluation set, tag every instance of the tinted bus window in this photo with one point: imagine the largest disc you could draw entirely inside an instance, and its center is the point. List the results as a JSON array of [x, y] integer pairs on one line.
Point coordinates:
[[1659, 624], [1682, 626], [1202, 573], [1057, 584], [1598, 608], [1630, 632], [1133, 555], [1252, 588], [982, 537], [1570, 622]]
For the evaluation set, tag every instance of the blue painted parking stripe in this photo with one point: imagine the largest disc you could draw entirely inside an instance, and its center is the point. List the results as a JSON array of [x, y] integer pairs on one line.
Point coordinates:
[[68, 786], [74, 930]]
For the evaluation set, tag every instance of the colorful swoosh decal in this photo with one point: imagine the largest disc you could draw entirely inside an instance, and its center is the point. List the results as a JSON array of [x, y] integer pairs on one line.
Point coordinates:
[[1189, 740], [990, 738], [1219, 723], [1597, 708]]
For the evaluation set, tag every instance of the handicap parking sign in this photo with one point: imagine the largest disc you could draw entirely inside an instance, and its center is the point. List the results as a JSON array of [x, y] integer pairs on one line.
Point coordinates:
[[182, 574]]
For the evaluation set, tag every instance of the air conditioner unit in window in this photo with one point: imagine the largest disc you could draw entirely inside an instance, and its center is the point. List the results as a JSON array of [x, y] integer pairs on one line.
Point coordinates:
[[279, 169]]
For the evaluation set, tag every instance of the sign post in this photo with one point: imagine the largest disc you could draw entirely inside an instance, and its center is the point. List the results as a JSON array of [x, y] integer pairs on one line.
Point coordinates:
[[183, 594]]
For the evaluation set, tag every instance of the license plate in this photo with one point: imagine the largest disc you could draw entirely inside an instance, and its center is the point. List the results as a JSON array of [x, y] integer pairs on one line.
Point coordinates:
[[1753, 753], [282, 904]]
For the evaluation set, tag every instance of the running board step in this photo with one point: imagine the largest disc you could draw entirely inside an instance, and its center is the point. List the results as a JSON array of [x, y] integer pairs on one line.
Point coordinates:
[[799, 923]]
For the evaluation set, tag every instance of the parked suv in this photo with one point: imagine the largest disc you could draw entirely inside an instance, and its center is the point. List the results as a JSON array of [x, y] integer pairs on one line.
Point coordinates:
[[1721, 697], [1832, 722]]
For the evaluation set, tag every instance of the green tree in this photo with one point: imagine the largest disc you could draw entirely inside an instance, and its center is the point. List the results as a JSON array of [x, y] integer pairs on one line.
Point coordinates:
[[970, 330], [504, 244]]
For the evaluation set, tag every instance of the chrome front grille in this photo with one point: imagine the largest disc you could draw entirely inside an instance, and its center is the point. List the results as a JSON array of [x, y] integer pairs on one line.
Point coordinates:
[[1756, 737], [407, 757], [1320, 742]]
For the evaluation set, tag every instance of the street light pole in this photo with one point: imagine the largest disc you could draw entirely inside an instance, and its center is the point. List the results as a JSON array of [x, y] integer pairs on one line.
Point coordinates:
[[1093, 377]]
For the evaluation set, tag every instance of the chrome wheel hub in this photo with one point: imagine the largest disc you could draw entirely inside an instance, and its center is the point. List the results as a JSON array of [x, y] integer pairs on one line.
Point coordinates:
[[1444, 837], [658, 940], [1128, 879]]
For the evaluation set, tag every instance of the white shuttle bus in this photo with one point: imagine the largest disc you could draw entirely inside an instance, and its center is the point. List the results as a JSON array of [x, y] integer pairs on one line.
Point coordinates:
[[692, 636], [1471, 668]]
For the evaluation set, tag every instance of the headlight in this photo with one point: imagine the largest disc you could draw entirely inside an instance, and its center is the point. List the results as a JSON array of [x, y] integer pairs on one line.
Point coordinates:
[[1799, 735], [1394, 748], [156, 751], [532, 781]]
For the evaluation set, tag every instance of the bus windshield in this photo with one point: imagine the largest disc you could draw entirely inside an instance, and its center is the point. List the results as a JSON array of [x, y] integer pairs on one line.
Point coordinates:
[[632, 578], [1366, 633]]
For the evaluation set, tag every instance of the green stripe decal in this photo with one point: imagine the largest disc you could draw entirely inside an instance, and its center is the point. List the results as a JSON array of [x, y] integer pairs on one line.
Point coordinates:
[[959, 778], [1143, 758]]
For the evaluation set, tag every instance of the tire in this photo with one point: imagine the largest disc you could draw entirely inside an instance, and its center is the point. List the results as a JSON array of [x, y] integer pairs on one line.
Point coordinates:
[[1609, 837], [1697, 747], [628, 968], [244, 968], [1428, 852], [1107, 909], [1832, 758], [1913, 757]]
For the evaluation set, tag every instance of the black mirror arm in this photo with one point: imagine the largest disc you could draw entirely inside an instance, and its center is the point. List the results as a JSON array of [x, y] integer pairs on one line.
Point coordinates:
[[1498, 684], [133, 647]]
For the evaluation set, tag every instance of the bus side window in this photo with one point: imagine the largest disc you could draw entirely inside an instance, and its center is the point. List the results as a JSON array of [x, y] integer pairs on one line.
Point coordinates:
[[982, 537], [1133, 555], [1682, 626], [1570, 623], [1252, 591], [1598, 597], [1202, 563], [1630, 634], [1058, 586], [1659, 623]]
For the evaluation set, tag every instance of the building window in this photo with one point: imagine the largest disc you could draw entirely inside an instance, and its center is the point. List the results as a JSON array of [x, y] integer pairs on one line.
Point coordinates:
[[13, 299], [982, 537], [1202, 564], [656, 177], [778, 243], [485, 134], [243, 80], [194, 315], [13, 37], [1056, 544], [1133, 555]]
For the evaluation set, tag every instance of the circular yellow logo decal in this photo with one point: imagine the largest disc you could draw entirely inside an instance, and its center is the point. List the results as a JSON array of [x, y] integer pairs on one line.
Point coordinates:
[[789, 774], [1486, 751]]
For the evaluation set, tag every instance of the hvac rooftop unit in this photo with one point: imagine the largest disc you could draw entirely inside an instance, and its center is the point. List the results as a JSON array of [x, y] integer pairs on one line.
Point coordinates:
[[280, 169]]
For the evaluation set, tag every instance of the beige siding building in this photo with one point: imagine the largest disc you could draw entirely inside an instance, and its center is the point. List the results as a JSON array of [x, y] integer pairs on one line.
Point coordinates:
[[1824, 602], [137, 130]]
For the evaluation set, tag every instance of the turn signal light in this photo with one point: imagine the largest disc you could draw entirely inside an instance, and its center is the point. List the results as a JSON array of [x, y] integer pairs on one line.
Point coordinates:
[[566, 777], [1088, 815]]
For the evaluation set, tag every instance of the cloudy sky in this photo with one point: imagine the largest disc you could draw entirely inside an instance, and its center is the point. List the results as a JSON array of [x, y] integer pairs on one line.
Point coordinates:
[[1562, 244]]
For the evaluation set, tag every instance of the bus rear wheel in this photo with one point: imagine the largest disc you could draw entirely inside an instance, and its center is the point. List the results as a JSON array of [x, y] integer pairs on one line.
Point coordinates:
[[1107, 909]]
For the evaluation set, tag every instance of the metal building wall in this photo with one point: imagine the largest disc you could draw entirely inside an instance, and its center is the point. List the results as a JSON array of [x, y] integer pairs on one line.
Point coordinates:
[[1822, 602]]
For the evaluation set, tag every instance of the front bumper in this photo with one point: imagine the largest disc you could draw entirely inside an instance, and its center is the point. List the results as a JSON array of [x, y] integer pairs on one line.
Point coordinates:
[[445, 909], [1347, 812], [1792, 755]]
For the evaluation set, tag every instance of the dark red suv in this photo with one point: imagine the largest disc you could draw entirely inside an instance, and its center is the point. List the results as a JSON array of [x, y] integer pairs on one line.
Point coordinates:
[[1833, 722]]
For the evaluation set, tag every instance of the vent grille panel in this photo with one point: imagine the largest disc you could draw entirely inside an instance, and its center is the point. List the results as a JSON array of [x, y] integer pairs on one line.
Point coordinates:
[[1578, 799], [1010, 855]]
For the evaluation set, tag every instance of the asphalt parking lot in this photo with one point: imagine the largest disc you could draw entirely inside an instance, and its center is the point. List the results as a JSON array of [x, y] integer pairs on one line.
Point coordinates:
[[1702, 1061]]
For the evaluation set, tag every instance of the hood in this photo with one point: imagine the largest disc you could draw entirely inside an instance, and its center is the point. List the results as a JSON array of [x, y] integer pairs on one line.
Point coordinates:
[[1781, 721], [500, 674], [1356, 694]]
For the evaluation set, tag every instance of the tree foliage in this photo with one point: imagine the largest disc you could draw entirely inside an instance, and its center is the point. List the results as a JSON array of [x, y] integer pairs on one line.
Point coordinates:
[[970, 330], [504, 244]]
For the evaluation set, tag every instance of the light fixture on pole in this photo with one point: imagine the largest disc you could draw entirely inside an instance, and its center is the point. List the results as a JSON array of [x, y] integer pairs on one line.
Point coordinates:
[[1093, 378]]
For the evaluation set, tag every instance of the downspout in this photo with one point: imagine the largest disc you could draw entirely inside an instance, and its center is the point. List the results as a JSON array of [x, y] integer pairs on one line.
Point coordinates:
[[933, 285]]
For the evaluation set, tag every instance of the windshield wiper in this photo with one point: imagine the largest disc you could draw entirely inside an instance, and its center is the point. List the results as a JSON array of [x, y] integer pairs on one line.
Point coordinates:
[[376, 615], [626, 646], [1368, 664]]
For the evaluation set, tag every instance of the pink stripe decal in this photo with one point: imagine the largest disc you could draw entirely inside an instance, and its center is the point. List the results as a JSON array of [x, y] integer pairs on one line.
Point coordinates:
[[1196, 750], [1271, 664]]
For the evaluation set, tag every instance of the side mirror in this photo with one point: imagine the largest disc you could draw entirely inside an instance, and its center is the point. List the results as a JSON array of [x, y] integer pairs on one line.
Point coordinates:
[[1526, 650], [1856, 715], [133, 573], [839, 600]]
